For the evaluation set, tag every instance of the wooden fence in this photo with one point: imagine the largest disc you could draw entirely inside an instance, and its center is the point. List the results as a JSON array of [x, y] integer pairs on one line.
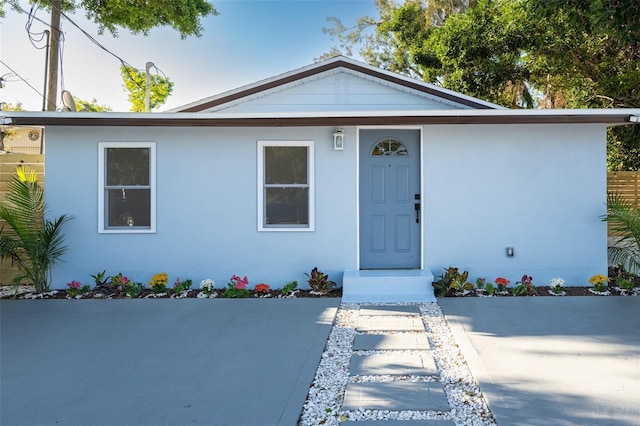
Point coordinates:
[[625, 185], [8, 165]]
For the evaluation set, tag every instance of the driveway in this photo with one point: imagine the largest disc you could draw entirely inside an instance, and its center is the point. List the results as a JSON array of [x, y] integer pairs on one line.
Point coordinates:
[[159, 362], [553, 360]]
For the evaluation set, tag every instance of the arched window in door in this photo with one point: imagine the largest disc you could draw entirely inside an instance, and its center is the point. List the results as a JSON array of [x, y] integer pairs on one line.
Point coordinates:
[[389, 147]]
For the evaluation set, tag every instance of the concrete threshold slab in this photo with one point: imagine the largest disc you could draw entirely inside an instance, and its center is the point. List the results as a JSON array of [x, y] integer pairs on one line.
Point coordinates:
[[394, 364], [396, 396], [386, 342], [395, 310], [390, 324]]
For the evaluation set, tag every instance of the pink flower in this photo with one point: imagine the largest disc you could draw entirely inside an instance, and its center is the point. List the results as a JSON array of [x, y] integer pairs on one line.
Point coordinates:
[[240, 283], [74, 284], [124, 280]]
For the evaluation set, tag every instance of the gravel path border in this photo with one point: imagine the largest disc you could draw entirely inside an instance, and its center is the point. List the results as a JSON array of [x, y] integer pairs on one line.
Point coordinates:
[[324, 401]]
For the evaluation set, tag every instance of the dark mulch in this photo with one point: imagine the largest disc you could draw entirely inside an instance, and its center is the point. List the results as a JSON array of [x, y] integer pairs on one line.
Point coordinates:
[[107, 293]]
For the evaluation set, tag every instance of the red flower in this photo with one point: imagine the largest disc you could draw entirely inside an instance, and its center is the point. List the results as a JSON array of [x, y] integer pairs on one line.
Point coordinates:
[[502, 281], [262, 288]]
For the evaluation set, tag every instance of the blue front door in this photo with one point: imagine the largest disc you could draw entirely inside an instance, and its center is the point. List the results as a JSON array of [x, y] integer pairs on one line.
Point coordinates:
[[389, 199]]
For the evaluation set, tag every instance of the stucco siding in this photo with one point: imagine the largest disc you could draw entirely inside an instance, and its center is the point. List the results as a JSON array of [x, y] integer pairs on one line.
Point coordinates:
[[538, 189], [206, 208], [343, 91]]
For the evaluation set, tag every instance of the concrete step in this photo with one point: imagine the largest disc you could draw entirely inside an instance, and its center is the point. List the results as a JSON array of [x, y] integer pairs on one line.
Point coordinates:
[[388, 285]]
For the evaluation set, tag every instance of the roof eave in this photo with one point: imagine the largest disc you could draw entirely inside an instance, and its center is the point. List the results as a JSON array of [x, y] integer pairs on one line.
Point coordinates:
[[608, 117]]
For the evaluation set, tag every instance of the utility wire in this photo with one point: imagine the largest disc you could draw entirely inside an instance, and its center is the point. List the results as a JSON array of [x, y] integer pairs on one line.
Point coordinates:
[[20, 77], [124, 63]]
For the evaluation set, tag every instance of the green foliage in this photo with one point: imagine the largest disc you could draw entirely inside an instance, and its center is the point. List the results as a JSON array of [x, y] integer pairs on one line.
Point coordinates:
[[100, 279], [133, 289], [181, 286], [237, 293], [138, 17], [624, 222], [516, 53], [525, 287], [33, 243], [8, 106], [489, 288], [90, 106], [623, 148], [160, 88], [451, 282], [319, 281], [289, 287]]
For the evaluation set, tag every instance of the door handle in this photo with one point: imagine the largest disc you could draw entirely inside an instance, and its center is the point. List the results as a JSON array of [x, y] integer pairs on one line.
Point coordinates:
[[416, 206]]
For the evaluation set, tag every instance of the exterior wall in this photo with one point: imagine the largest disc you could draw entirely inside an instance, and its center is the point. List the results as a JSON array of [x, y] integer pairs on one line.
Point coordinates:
[[339, 92], [206, 208], [538, 189]]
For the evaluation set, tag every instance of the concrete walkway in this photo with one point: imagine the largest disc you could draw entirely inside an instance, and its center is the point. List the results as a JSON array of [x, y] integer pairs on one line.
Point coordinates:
[[553, 360], [159, 362], [399, 329]]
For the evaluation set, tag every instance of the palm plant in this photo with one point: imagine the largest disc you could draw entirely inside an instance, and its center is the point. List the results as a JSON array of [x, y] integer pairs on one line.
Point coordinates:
[[624, 222], [34, 244]]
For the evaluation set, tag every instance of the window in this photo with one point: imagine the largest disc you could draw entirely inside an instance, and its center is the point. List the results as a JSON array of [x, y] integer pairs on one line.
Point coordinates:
[[389, 147], [285, 186], [127, 187]]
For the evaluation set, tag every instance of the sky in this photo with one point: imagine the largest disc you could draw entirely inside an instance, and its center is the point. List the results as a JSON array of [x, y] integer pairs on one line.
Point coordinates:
[[250, 40]]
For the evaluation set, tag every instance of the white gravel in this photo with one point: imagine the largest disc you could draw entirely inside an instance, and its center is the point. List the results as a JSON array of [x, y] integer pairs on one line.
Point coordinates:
[[324, 401]]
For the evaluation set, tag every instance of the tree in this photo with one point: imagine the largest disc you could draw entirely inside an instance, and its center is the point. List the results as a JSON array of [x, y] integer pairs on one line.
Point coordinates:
[[517, 53], [160, 88], [138, 17], [33, 243], [8, 106], [90, 106]]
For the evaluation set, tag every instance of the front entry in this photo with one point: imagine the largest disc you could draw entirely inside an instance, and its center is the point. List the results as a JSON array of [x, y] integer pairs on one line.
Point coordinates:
[[390, 199]]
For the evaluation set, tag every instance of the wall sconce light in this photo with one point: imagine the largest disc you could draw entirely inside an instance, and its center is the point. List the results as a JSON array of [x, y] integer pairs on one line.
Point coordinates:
[[510, 252], [338, 140]]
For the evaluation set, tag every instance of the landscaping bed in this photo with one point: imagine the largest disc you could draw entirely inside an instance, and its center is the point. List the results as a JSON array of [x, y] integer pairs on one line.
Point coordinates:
[[28, 292]]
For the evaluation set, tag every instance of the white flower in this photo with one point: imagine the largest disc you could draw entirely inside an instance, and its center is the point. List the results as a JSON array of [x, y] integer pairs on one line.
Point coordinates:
[[556, 282], [207, 284]]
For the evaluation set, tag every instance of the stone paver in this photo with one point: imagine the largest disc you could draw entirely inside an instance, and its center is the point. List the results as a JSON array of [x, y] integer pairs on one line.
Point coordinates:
[[390, 323], [435, 422], [395, 364], [396, 396], [396, 341], [405, 310]]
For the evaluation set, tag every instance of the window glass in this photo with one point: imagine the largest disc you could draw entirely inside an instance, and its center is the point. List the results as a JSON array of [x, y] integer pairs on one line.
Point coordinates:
[[126, 203], [285, 164], [389, 147], [287, 206], [285, 186], [127, 166]]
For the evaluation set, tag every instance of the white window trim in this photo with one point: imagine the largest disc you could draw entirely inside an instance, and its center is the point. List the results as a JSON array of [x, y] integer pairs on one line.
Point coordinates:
[[102, 147], [311, 181]]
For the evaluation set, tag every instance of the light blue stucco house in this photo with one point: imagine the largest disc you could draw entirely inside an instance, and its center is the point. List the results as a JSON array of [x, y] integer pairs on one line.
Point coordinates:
[[380, 180]]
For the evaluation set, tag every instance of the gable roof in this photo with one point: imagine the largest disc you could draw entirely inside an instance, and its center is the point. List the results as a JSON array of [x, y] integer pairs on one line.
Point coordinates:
[[280, 82]]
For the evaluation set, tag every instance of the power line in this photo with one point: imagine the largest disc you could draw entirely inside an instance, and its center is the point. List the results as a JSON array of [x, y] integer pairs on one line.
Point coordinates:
[[124, 63], [20, 77]]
